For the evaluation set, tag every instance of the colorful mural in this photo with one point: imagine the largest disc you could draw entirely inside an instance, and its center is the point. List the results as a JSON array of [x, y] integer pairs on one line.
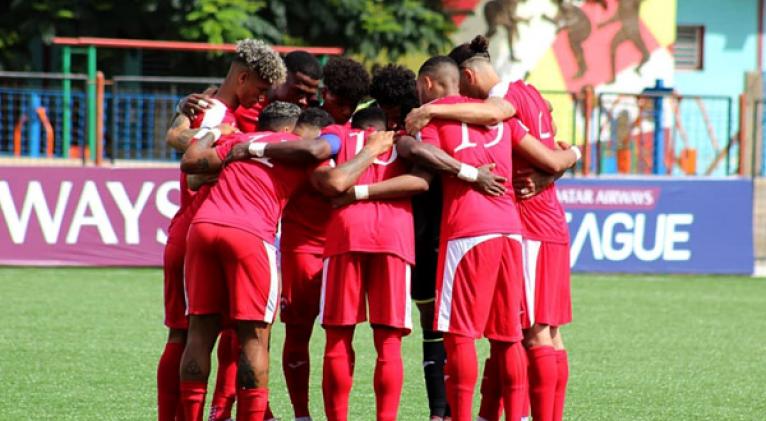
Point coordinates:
[[565, 45]]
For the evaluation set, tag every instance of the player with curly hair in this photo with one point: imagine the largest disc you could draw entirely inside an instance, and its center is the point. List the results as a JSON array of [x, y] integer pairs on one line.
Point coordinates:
[[255, 68], [346, 83], [394, 88]]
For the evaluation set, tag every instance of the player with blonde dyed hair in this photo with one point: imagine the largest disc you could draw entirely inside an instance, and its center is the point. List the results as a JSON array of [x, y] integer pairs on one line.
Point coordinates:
[[255, 68]]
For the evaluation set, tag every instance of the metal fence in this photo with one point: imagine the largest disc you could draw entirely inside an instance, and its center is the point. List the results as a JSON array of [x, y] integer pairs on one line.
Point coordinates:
[[696, 137], [40, 116], [140, 110]]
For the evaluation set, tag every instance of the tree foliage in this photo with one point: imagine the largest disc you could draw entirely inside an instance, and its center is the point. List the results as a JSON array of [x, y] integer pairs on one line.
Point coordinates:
[[370, 28]]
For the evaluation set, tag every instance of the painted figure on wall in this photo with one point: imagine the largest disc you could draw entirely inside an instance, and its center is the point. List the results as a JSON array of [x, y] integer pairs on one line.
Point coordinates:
[[570, 18], [628, 16], [503, 13]]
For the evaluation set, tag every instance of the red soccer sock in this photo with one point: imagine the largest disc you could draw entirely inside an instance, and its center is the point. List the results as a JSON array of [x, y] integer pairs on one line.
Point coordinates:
[[338, 372], [461, 376], [193, 399], [296, 366], [562, 361], [226, 378], [491, 408], [389, 372], [252, 404], [514, 368], [543, 376], [169, 382]]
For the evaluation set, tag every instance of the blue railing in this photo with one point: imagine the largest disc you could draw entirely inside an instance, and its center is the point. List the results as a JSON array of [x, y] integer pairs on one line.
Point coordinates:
[[19, 110], [136, 114]]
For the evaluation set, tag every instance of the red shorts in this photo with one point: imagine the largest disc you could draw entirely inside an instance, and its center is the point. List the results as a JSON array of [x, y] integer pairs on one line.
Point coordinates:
[[351, 280], [479, 287], [547, 291], [174, 291], [301, 287], [231, 272]]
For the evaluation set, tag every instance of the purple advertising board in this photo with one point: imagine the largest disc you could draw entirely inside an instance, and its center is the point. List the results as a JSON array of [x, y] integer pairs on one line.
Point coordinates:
[[85, 216], [659, 225], [119, 217]]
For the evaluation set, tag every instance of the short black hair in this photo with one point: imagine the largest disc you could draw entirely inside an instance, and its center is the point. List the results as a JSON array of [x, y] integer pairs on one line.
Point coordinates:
[[368, 117], [435, 64], [315, 117], [303, 62], [393, 84], [477, 48], [278, 114], [347, 79]]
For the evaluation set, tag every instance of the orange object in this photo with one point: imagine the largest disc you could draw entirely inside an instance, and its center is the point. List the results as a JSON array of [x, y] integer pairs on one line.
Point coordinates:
[[17, 135], [99, 117], [623, 160], [49, 133], [688, 161]]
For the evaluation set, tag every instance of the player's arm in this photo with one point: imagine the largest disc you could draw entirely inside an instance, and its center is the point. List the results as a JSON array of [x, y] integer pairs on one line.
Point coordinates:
[[201, 157], [547, 160], [196, 181], [492, 111], [333, 181], [180, 134], [432, 157], [403, 186], [304, 151], [530, 181]]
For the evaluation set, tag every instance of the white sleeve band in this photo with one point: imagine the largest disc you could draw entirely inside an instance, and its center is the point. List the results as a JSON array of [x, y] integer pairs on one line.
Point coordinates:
[[362, 192], [577, 151], [257, 149], [468, 173]]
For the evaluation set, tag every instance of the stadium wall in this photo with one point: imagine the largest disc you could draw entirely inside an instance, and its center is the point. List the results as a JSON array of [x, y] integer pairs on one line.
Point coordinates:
[[91, 216]]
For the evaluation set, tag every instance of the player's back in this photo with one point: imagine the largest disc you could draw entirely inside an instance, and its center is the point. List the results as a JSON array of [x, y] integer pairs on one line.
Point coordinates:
[[542, 215], [371, 225], [467, 212], [251, 194]]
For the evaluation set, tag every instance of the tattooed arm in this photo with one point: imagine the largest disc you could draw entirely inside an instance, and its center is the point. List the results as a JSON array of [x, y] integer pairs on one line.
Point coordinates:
[[180, 134], [201, 157]]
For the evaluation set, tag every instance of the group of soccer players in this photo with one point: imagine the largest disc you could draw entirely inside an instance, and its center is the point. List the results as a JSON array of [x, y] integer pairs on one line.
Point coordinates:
[[439, 192]]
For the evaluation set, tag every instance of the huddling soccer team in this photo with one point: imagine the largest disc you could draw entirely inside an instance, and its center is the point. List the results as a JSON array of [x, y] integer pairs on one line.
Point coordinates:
[[439, 192]]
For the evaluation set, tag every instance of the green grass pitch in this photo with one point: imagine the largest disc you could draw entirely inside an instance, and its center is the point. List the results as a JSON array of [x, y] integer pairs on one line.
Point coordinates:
[[83, 344]]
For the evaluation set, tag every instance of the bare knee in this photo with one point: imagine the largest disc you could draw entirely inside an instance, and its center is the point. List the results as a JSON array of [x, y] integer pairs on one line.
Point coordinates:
[[177, 336], [538, 335], [558, 341]]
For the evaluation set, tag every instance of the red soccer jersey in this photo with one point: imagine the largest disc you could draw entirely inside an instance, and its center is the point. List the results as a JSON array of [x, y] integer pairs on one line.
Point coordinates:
[[247, 118], [374, 226], [467, 212], [251, 194], [218, 114], [304, 222], [542, 215]]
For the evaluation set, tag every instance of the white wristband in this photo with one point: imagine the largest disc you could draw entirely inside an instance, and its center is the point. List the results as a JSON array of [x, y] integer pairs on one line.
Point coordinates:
[[468, 173], [257, 149], [577, 151], [362, 192]]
